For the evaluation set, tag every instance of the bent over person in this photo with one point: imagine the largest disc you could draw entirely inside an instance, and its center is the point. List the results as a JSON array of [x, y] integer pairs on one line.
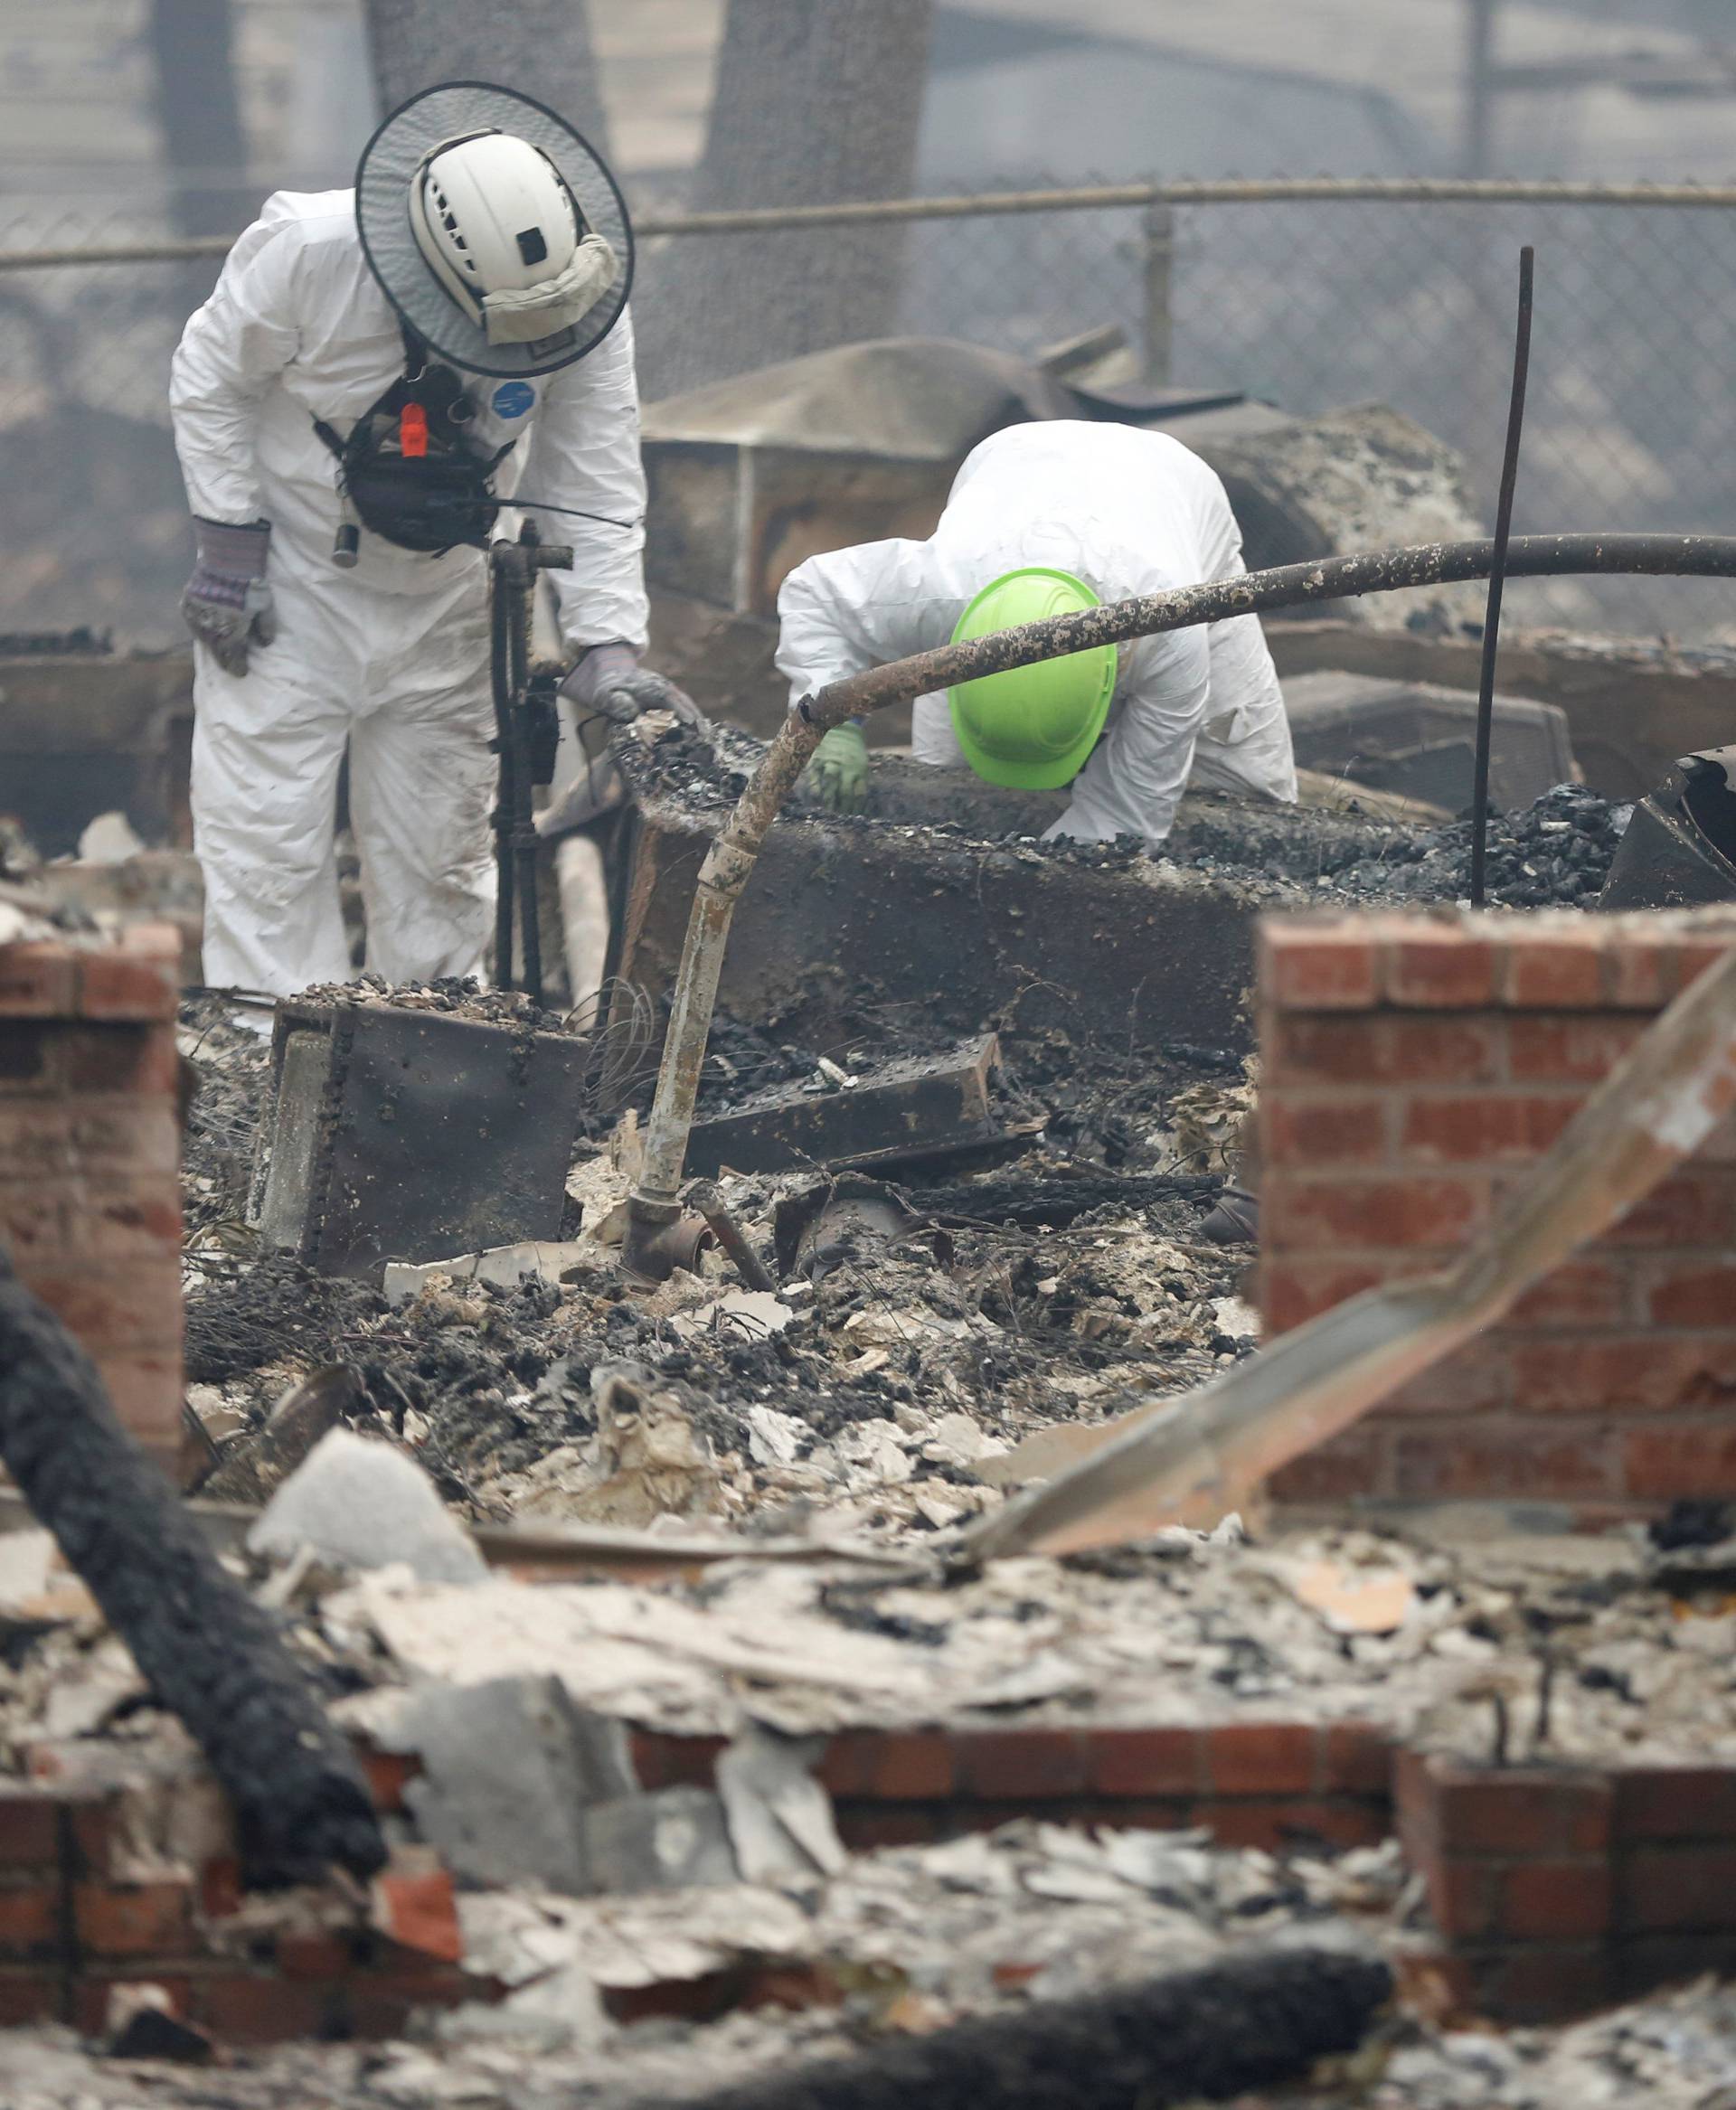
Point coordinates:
[[376, 370], [1042, 520]]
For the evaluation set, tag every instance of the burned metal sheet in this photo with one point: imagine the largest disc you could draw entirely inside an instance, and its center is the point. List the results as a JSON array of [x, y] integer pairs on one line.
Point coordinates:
[[1679, 851], [416, 1133], [928, 1106]]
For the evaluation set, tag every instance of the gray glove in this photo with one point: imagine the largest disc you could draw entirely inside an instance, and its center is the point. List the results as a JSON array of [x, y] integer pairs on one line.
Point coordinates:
[[609, 680], [227, 605]]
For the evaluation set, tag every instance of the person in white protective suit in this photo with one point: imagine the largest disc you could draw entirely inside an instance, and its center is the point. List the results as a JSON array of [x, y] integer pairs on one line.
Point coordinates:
[[376, 370], [1042, 519]]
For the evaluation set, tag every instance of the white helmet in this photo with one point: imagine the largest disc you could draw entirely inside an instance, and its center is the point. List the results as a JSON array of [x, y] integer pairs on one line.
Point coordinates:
[[497, 225]]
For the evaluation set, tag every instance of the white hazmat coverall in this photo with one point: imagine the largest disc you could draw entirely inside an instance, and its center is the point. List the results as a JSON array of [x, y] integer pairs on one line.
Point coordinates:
[[390, 657], [1128, 512]]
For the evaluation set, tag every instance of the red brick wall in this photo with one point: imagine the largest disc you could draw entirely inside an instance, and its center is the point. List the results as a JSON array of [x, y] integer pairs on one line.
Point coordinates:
[[89, 1148], [1413, 1066], [1561, 1890]]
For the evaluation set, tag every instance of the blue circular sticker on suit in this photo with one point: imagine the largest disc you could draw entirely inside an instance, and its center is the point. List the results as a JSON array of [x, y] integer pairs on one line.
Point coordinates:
[[512, 398]]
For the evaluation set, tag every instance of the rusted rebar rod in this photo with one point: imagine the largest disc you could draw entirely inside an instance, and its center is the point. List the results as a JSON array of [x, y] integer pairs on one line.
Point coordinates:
[[707, 1197], [730, 861], [1498, 579]]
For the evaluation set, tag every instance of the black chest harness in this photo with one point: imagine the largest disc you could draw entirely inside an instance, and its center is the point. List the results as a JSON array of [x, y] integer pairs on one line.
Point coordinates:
[[410, 470]]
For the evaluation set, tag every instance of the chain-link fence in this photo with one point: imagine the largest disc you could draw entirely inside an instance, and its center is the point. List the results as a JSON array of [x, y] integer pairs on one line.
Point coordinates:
[[1309, 295]]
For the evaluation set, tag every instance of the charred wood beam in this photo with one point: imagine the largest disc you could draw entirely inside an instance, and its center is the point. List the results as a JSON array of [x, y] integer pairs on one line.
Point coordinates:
[[1208, 2035], [210, 1654]]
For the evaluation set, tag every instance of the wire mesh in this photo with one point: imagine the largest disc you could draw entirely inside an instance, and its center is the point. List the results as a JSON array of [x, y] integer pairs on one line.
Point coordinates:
[[1307, 304]]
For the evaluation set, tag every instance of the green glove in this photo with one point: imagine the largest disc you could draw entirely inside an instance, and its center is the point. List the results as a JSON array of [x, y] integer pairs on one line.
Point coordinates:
[[840, 769]]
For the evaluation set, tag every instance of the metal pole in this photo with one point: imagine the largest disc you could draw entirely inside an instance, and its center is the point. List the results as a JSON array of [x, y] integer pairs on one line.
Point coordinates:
[[1497, 580], [1479, 86], [500, 668], [1159, 275]]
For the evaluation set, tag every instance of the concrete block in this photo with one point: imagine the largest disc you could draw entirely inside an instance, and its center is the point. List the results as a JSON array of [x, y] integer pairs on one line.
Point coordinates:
[[673, 1839], [509, 1769]]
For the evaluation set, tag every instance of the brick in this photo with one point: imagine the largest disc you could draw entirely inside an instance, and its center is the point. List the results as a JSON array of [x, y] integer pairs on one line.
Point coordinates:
[[1020, 1765], [1546, 1982], [35, 1226], [24, 1050], [1494, 1460], [134, 984], [1479, 1128], [1702, 1296], [1372, 1214], [1678, 1889], [1356, 1758], [1639, 977], [1671, 1459], [1353, 1464], [1563, 972], [28, 1997], [115, 1134], [1569, 1051], [1301, 1049], [1649, 1960], [1695, 1206], [30, 1919], [1476, 1379], [145, 1391], [382, 2003], [389, 1773], [134, 1920], [863, 1827], [1491, 1811], [1694, 957], [253, 2008], [1556, 1901], [1463, 1897], [1292, 1291], [1311, 967], [1440, 967], [665, 1761], [792, 1986], [38, 981], [1582, 1292], [131, 1221], [1145, 1762], [30, 1832], [889, 1765], [1278, 1824], [686, 1999], [1676, 1802], [1324, 1132], [1262, 1759], [131, 1308], [133, 1059], [1645, 1372], [418, 1912], [322, 1956], [221, 1894]]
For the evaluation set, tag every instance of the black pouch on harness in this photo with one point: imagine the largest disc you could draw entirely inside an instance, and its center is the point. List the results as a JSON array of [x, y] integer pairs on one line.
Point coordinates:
[[409, 469]]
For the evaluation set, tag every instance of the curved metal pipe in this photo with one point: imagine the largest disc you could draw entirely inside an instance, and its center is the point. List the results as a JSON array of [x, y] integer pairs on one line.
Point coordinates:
[[731, 859]]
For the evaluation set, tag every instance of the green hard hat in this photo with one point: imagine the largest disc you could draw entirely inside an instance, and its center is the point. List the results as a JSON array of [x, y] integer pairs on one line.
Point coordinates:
[[1031, 727]]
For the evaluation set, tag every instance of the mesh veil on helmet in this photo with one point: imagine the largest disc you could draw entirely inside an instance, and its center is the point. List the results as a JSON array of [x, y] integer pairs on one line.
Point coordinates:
[[480, 156]]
